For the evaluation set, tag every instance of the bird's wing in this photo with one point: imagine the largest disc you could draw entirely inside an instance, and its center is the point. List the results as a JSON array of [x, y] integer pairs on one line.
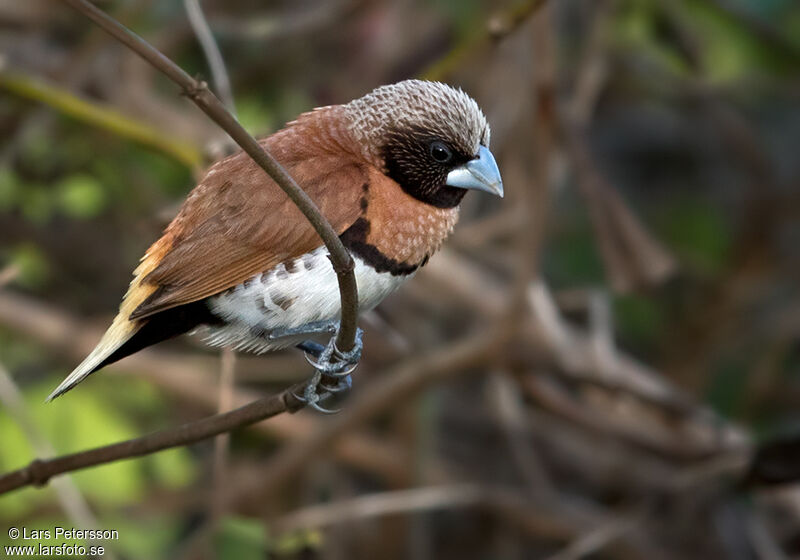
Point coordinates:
[[237, 223]]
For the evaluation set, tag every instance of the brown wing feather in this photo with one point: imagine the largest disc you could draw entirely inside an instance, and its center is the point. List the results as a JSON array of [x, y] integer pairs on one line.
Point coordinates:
[[237, 222]]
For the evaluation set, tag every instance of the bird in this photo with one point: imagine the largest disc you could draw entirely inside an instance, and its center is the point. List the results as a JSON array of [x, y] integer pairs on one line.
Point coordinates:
[[241, 266]]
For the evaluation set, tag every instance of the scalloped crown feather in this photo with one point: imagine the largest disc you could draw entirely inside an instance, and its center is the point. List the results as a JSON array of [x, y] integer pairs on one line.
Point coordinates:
[[414, 105]]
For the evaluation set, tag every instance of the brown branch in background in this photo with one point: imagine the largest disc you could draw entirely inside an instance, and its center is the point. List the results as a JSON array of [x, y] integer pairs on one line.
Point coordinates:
[[8, 275], [383, 503], [219, 74], [227, 373], [632, 258], [534, 192], [592, 542], [518, 511], [506, 402], [220, 466], [585, 533], [199, 93], [39, 471]]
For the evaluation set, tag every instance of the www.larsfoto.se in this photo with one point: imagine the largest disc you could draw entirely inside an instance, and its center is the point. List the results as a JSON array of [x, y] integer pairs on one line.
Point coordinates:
[[55, 550]]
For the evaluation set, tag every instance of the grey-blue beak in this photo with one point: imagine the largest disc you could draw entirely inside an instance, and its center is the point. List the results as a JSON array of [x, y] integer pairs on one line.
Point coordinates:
[[480, 174]]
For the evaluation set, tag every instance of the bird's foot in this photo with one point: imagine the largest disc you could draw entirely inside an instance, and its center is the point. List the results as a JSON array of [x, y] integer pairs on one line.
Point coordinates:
[[318, 389], [330, 364], [312, 395], [331, 361], [308, 328]]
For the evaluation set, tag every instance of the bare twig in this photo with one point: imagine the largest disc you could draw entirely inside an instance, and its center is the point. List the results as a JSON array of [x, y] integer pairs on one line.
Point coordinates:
[[383, 503], [683, 482], [39, 471], [216, 64], [508, 406], [8, 275], [222, 442], [595, 540], [199, 93], [536, 197], [631, 256]]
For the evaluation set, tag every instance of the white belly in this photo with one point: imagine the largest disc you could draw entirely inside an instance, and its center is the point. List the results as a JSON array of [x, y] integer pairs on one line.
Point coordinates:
[[290, 296]]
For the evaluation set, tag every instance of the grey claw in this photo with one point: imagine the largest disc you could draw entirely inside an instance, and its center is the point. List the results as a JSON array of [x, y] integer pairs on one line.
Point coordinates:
[[315, 364], [311, 396], [324, 410], [344, 384], [342, 364], [346, 372], [354, 354], [330, 362], [335, 369]]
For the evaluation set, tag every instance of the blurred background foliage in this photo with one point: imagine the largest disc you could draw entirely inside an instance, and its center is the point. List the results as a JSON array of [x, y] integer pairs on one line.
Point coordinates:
[[696, 126]]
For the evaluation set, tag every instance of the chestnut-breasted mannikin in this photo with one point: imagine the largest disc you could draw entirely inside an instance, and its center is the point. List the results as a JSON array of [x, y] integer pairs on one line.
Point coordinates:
[[241, 265]]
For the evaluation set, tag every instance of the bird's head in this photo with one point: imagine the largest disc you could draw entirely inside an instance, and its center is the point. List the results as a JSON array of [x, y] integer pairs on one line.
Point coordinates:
[[432, 139]]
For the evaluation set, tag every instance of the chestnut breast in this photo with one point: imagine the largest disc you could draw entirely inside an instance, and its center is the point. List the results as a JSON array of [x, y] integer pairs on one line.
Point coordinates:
[[397, 233]]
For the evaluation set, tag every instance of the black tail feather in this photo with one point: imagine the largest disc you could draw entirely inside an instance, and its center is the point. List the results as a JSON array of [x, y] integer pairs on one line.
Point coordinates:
[[162, 326]]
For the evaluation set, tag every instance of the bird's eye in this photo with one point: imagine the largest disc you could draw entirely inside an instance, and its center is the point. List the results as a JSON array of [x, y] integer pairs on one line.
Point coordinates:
[[440, 152]]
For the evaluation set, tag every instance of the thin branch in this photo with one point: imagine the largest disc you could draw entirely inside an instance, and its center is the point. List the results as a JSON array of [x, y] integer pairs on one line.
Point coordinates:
[[684, 482], [379, 504], [199, 93], [39, 471], [506, 402], [220, 466], [216, 64], [631, 256], [8, 275], [594, 541]]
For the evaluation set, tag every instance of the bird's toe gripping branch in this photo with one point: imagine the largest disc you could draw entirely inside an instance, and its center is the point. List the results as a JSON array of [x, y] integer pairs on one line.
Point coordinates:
[[330, 364]]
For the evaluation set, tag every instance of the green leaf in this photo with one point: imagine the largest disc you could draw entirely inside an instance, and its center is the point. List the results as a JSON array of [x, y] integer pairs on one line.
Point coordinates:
[[254, 115], [173, 469], [81, 196], [240, 538], [697, 231], [36, 204], [639, 319], [9, 185]]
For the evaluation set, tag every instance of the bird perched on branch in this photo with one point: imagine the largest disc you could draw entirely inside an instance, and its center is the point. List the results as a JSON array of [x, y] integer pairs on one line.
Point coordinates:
[[241, 264]]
